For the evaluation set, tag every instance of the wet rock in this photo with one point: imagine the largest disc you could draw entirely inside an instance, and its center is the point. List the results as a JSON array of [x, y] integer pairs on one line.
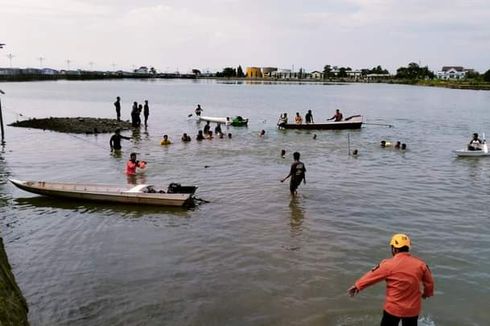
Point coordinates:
[[78, 125]]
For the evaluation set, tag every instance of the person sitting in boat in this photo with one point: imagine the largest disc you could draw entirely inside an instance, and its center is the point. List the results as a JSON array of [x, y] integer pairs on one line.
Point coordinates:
[[186, 138], [165, 140], [207, 127], [283, 119], [475, 143], [298, 119], [309, 117], [337, 116], [198, 110], [115, 141], [200, 135], [133, 164]]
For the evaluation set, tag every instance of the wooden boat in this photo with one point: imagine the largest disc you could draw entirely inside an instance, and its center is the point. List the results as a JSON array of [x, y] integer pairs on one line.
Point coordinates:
[[143, 194], [353, 122], [237, 121]]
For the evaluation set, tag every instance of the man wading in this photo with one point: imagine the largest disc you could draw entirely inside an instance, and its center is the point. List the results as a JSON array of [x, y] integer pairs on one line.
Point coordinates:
[[403, 275], [297, 174]]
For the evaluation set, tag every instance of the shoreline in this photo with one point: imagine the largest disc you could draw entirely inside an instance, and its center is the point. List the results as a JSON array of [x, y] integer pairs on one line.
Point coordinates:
[[451, 84]]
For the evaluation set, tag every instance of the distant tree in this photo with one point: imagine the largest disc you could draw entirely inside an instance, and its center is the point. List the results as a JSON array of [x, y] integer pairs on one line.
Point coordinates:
[[414, 72], [342, 72], [365, 72], [229, 72], [196, 72], [239, 72], [327, 72], [486, 76], [153, 71]]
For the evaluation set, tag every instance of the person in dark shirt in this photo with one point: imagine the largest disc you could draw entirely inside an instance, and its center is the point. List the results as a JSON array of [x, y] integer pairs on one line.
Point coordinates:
[[134, 115], [199, 136], [146, 112], [309, 117], [198, 110], [217, 130], [117, 104], [297, 174], [115, 141], [207, 127]]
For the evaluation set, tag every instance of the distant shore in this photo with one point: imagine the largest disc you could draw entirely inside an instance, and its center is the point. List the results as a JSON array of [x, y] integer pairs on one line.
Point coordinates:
[[453, 84]]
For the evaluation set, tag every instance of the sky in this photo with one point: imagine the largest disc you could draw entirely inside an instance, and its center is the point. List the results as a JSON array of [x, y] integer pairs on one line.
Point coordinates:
[[180, 35]]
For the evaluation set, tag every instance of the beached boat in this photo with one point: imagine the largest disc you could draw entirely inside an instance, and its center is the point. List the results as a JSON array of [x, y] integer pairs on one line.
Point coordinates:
[[237, 121], [143, 194], [353, 122], [474, 153]]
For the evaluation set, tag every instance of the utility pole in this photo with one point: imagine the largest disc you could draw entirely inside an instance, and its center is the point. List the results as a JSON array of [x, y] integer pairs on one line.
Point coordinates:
[[68, 61], [10, 56], [91, 64], [113, 66], [1, 121], [41, 59]]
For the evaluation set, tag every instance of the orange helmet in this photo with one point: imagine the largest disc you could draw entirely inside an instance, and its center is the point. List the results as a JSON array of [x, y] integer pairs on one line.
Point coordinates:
[[400, 240]]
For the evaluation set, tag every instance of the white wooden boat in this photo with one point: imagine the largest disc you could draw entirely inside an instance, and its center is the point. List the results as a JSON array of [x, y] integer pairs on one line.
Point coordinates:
[[143, 194], [237, 121], [354, 122], [474, 153]]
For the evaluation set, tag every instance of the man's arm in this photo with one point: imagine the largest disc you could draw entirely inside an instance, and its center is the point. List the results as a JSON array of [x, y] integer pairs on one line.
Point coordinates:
[[124, 137], [290, 173], [376, 274]]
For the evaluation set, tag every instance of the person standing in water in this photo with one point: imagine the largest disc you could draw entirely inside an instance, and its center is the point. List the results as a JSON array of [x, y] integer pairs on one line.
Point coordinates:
[[309, 117], [115, 141], [405, 275], [297, 174], [198, 110], [146, 112], [133, 164], [117, 104]]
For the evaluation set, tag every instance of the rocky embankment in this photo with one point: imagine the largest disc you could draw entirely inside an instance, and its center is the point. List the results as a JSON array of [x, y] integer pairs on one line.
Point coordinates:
[[13, 306], [75, 125]]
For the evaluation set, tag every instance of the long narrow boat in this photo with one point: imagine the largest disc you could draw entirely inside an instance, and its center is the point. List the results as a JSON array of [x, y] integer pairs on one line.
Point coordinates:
[[143, 194], [354, 122], [237, 121]]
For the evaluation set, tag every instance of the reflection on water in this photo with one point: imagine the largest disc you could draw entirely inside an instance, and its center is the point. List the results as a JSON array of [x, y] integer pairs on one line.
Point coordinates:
[[297, 215]]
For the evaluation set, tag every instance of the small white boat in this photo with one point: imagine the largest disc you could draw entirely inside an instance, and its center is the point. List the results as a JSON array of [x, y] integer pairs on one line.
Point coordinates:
[[237, 121], [143, 194], [483, 151]]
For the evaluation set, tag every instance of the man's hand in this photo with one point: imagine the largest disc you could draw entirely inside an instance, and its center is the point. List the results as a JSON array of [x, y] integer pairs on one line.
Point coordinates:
[[353, 290]]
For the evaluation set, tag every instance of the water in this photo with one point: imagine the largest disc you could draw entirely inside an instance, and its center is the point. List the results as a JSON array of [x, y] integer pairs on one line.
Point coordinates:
[[252, 256]]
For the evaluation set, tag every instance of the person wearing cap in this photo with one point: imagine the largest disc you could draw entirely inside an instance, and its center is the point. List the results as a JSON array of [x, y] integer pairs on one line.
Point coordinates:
[[403, 274]]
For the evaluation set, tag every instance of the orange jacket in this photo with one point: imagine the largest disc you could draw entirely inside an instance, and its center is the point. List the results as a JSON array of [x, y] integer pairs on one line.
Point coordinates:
[[403, 274]]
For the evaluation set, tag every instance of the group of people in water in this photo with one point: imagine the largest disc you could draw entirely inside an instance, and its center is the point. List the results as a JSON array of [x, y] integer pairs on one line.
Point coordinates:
[[205, 133], [397, 145], [298, 119]]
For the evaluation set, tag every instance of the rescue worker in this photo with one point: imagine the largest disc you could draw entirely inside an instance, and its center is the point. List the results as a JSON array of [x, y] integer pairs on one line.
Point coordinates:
[[403, 275]]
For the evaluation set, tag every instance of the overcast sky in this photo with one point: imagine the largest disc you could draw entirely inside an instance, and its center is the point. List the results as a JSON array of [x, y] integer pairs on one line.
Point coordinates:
[[212, 34]]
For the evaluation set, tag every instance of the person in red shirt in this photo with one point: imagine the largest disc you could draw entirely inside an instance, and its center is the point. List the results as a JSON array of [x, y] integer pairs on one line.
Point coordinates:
[[133, 164], [403, 274]]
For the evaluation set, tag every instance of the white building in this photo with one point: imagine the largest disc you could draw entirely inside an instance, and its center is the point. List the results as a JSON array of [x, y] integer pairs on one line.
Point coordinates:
[[451, 72], [316, 74]]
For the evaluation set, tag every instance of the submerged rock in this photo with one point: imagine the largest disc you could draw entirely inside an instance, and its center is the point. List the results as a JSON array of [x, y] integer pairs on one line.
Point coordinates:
[[78, 125]]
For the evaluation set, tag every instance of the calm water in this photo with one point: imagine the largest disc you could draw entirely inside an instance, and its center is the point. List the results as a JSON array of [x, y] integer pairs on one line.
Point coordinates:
[[252, 256]]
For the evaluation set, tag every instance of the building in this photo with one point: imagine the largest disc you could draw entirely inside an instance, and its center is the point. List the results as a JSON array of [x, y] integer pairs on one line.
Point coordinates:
[[451, 72], [267, 71], [254, 72], [316, 75]]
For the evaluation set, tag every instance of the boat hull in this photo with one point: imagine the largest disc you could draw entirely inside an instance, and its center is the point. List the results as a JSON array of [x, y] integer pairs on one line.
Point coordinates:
[[354, 122], [465, 153], [101, 193]]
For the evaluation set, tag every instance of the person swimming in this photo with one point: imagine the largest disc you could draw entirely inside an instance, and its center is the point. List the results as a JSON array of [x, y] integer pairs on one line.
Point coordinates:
[[165, 140], [186, 138]]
